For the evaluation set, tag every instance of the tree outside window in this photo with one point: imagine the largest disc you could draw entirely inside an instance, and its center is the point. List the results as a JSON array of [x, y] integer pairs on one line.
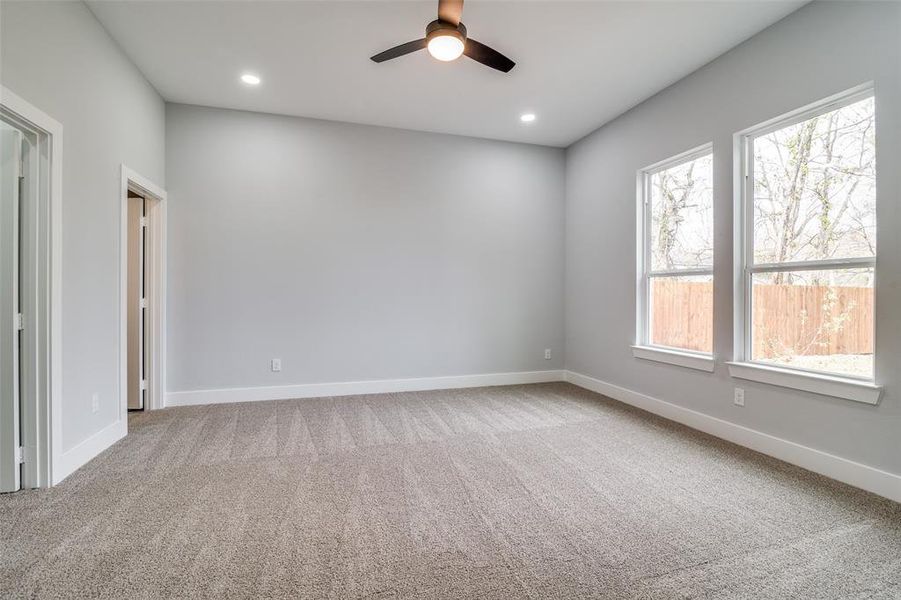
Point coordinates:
[[814, 242]]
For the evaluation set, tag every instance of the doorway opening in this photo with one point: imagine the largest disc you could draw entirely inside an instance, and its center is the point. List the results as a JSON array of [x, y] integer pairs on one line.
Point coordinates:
[[15, 152], [30, 299], [142, 294], [137, 301]]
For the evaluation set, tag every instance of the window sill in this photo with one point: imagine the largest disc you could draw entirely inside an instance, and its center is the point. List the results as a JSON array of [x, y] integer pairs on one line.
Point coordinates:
[[828, 385], [690, 360]]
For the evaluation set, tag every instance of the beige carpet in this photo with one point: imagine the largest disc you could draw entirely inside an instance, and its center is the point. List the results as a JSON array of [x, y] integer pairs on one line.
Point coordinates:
[[542, 491]]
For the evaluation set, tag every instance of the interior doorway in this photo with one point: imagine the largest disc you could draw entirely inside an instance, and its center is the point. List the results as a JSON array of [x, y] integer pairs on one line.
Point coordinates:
[[30, 298], [13, 154], [137, 300], [142, 294]]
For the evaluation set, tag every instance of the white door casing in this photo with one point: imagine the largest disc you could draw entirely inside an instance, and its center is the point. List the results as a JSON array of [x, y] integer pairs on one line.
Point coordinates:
[[154, 312]]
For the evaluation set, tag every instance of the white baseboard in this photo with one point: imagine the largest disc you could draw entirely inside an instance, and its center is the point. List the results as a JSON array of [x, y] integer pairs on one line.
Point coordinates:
[[71, 460], [858, 475], [350, 388]]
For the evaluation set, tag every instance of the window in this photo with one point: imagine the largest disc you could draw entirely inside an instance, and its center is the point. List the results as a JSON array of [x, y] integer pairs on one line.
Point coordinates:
[[675, 292], [807, 252]]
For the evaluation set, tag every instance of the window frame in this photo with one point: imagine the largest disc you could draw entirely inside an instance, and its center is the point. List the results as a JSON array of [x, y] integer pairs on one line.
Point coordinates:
[[643, 348], [853, 387]]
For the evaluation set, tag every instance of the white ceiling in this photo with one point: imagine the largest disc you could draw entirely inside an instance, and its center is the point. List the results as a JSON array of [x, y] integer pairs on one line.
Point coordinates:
[[579, 64]]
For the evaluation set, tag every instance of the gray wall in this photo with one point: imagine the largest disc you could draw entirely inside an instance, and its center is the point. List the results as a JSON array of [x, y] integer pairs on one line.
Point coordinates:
[[58, 57], [822, 49], [356, 253]]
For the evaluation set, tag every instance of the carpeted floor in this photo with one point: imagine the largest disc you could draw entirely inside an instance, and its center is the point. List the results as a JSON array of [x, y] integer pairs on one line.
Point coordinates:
[[541, 491]]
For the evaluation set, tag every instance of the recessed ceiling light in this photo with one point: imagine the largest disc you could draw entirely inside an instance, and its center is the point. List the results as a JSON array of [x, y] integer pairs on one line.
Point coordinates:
[[250, 79], [527, 117]]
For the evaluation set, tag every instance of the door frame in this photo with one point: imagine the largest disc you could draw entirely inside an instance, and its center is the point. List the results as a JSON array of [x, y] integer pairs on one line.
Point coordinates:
[[41, 380], [17, 153], [155, 281]]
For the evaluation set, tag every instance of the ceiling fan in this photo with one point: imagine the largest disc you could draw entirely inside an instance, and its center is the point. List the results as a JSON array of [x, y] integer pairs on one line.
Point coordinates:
[[446, 40]]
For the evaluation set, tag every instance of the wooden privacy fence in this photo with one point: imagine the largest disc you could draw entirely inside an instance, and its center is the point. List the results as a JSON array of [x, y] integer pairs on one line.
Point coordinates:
[[682, 314], [788, 319]]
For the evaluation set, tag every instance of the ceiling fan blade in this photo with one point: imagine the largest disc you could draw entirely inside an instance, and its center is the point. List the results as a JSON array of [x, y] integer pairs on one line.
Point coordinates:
[[399, 50], [450, 11], [487, 56]]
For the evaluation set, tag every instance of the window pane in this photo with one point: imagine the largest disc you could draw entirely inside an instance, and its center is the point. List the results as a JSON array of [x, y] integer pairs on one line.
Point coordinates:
[[815, 188], [682, 216], [681, 312], [818, 320]]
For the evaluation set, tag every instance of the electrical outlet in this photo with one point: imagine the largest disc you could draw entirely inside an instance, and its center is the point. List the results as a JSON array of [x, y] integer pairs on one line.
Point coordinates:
[[547, 354], [739, 397], [95, 402], [276, 365]]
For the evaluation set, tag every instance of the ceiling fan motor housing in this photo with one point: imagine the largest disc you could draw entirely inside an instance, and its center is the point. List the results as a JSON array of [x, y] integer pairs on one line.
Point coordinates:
[[439, 27]]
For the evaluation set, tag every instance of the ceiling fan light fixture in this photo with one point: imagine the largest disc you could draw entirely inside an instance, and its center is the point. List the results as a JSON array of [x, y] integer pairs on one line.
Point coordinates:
[[446, 40], [446, 47]]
